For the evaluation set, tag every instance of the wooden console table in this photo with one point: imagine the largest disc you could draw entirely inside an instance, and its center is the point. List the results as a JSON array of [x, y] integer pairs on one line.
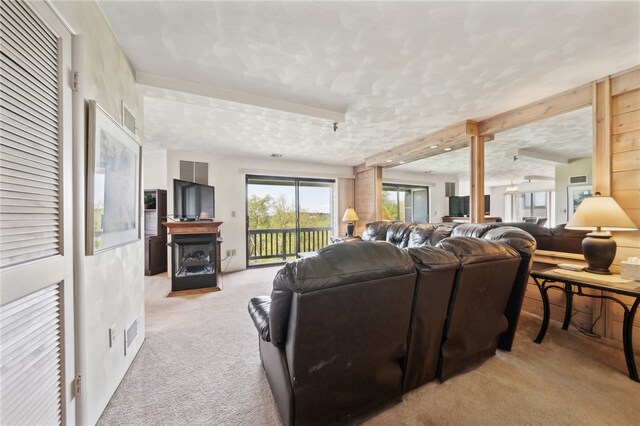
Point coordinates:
[[573, 283], [197, 234]]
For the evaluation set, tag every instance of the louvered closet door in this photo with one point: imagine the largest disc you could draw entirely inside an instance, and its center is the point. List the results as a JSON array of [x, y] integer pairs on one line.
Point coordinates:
[[36, 298]]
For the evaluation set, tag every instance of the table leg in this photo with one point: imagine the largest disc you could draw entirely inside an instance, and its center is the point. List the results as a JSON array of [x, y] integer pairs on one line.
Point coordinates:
[[547, 313], [568, 307], [627, 341]]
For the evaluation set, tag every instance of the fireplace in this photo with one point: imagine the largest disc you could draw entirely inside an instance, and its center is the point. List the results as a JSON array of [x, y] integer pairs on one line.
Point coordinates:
[[194, 261]]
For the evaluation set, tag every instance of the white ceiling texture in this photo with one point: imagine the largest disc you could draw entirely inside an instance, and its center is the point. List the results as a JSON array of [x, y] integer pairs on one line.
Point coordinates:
[[256, 78]]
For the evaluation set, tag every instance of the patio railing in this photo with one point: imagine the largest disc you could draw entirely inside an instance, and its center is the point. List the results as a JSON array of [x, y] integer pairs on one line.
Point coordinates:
[[280, 244]]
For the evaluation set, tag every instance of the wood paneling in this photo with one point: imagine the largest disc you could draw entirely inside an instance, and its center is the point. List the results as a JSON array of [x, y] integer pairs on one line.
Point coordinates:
[[627, 103], [628, 160], [627, 122], [629, 179], [626, 142], [627, 198]]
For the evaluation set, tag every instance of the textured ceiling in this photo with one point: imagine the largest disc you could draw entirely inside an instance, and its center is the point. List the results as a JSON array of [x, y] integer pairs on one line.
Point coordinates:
[[399, 70]]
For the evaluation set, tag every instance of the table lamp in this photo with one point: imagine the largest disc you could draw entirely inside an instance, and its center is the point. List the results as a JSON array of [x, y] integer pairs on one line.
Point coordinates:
[[599, 214], [350, 217]]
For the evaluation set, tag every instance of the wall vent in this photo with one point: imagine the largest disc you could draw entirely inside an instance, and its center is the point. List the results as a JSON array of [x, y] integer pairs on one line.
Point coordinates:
[[193, 171], [573, 180], [449, 189], [130, 335], [128, 119]]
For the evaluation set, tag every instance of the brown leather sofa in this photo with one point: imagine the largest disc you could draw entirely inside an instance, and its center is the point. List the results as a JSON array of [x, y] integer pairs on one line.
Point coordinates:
[[553, 239], [405, 235], [345, 332]]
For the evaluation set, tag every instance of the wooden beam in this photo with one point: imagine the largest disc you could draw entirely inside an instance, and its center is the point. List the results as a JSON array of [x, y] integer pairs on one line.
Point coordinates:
[[564, 102], [602, 136], [625, 81], [454, 137]]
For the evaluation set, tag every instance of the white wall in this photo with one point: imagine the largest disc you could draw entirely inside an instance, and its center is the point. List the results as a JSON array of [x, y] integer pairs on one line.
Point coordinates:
[[154, 169], [438, 202], [577, 167], [227, 174], [109, 286]]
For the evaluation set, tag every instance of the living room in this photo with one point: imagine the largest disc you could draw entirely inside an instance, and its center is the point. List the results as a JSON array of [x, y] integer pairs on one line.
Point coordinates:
[[262, 99]]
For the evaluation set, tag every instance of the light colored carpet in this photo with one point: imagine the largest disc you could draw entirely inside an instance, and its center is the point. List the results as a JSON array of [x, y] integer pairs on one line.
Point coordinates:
[[199, 365]]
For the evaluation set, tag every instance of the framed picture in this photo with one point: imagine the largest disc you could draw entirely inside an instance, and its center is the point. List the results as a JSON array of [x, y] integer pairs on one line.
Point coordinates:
[[575, 195], [113, 182]]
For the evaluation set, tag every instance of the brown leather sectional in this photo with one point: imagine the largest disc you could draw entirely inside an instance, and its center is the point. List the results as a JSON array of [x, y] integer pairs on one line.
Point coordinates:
[[345, 333]]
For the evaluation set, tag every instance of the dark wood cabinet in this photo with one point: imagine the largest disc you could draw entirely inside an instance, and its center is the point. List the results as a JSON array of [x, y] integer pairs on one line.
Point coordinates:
[[155, 235]]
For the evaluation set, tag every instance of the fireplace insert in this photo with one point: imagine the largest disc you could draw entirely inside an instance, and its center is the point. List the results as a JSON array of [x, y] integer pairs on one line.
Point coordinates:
[[194, 262]]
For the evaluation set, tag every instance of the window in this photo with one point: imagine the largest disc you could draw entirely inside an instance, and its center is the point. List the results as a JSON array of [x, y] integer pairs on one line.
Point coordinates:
[[406, 203], [533, 207]]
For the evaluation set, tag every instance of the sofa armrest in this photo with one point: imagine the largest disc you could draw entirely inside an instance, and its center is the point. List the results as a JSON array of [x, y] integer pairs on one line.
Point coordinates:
[[259, 310]]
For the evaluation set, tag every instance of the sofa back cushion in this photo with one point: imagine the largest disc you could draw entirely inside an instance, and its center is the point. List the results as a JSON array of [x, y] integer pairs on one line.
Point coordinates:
[[476, 230], [398, 233], [420, 234], [375, 231], [334, 266]]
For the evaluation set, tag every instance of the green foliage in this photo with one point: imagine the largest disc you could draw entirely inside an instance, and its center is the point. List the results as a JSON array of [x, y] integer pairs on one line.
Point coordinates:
[[276, 213]]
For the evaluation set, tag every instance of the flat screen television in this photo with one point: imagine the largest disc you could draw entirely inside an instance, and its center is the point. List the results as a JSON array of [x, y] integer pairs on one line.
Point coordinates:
[[459, 206], [193, 201]]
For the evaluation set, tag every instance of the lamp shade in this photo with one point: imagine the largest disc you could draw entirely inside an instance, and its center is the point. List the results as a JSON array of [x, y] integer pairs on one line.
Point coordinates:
[[349, 215], [511, 189], [602, 214]]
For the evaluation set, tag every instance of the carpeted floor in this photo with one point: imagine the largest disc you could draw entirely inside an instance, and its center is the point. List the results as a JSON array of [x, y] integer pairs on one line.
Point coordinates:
[[199, 365]]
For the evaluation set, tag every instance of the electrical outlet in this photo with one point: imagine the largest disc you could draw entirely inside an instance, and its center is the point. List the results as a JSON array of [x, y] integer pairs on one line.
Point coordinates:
[[112, 335], [233, 252], [228, 253]]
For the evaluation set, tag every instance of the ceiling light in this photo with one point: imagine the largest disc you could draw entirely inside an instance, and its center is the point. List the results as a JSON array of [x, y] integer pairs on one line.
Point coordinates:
[[511, 189], [448, 148], [434, 146], [401, 162], [389, 161], [276, 155]]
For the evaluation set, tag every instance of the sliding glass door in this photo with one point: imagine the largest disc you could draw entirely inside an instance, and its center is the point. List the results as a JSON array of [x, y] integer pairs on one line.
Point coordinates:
[[287, 217], [406, 203]]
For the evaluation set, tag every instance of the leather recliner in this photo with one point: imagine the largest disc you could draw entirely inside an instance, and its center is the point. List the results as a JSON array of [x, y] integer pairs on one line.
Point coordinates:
[[333, 334], [476, 314], [437, 269]]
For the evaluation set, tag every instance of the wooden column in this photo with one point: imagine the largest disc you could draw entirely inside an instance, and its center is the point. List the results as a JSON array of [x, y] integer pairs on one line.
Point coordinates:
[[602, 136], [476, 180], [368, 195]]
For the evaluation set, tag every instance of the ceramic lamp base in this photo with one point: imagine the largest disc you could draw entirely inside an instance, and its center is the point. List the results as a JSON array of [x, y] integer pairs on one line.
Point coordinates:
[[350, 227], [599, 252]]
